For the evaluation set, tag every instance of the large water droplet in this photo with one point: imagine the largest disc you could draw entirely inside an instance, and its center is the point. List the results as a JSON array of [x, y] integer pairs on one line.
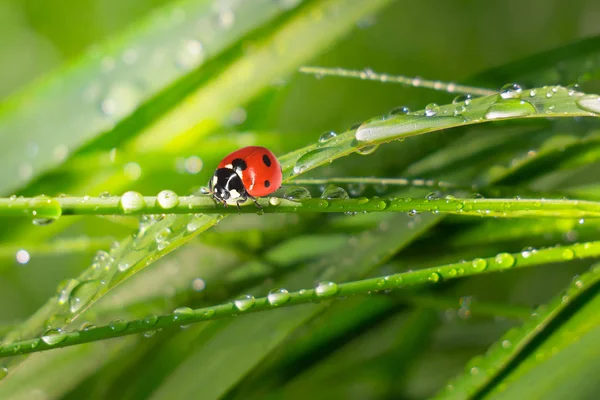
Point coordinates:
[[82, 294], [44, 210], [150, 320], [131, 202], [244, 302], [118, 325], [509, 109], [326, 289], [334, 192], [167, 199], [278, 297], [589, 103]]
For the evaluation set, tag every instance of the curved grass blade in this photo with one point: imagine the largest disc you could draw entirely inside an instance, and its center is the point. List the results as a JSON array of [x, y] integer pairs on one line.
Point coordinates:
[[568, 319]]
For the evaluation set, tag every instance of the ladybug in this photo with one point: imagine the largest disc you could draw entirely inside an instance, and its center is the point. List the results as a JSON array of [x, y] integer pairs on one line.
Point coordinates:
[[246, 173]]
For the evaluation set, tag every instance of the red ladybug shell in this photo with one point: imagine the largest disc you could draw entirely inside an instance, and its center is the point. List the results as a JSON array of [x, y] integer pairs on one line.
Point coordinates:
[[260, 171]]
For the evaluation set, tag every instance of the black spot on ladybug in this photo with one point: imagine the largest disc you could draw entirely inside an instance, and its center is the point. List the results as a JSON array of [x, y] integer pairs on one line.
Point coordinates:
[[267, 160], [240, 164], [267, 183]]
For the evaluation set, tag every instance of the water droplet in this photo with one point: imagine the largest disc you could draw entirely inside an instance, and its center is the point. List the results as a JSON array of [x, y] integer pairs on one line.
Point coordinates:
[[434, 277], [190, 55], [118, 325], [366, 150], [506, 344], [589, 103], [399, 110], [479, 264], [573, 89], [183, 314], [334, 192], [167, 199], [22, 256], [432, 109], [82, 294], [209, 313], [326, 289], [131, 202], [3, 372], [244, 302], [326, 136], [510, 91], [296, 193], [505, 260], [278, 297], [44, 210], [568, 254], [314, 157], [53, 336], [462, 98], [509, 109], [150, 320], [274, 201]]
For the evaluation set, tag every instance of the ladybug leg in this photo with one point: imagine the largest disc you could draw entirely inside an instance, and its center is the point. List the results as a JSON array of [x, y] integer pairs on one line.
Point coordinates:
[[255, 201]]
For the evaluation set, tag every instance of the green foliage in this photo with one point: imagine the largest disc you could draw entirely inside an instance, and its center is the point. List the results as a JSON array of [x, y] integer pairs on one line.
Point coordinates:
[[406, 256]]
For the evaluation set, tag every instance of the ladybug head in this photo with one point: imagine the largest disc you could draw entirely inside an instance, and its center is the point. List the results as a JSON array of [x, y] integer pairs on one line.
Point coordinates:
[[226, 186]]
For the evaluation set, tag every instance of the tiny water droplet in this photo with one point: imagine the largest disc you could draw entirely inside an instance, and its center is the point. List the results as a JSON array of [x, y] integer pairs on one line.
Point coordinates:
[[131, 202], [568, 254], [82, 294], [244, 302], [434, 277], [118, 325], [399, 110], [278, 297], [366, 150], [462, 98], [274, 201], [479, 264], [505, 260], [327, 136], [573, 89], [326, 289], [53, 336], [431, 109], [44, 210], [3, 372], [167, 199], [510, 91], [334, 192], [150, 320], [183, 314]]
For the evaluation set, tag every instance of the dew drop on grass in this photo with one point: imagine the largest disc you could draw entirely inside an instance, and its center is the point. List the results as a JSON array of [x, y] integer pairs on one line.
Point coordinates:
[[244, 302], [462, 98], [326, 289], [568, 254], [573, 89], [479, 264], [334, 192], [274, 201], [402, 110], [53, 336], [278, 297], [589, 103], [167, 199], [366, 150], [432, 110], [510, 91], [131, 202], [327, 136], [313, 158], [296, 193], [434, 277], [209, 313], [118, 325], [82, 294], [505, 260], [3, 372], [44, 210], [510, 108], [150, 320], [183, 314]]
